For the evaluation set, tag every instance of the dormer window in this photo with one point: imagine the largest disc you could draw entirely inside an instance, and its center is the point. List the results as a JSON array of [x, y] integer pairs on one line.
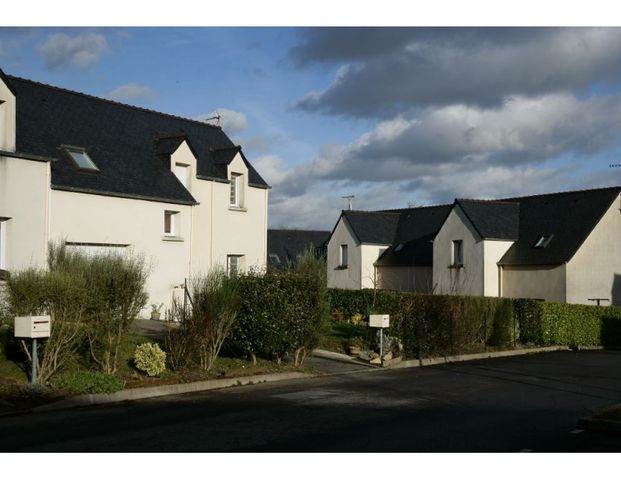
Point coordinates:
[[81, 159], [544, 241]]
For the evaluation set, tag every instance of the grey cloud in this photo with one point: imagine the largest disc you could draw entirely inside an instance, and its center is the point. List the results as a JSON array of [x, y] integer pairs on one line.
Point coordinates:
[[473, 66], [81, 51], [455, 140]]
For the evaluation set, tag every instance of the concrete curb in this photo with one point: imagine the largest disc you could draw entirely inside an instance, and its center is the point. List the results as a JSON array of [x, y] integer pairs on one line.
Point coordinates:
[[340, 357], [423, 362], [164, 390]]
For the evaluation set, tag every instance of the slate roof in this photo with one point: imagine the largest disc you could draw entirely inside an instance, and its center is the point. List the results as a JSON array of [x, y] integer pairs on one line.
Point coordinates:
[[288, 244], [569, 216], [492, 219], [416, 229], [128, 144], [373, 227]]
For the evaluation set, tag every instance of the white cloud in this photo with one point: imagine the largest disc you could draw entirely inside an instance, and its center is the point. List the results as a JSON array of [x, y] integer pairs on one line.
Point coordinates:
[[82, 51], [231, 121], [131, 91]]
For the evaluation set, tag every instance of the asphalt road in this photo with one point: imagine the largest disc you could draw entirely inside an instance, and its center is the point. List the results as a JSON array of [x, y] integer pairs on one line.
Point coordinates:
[[528, 403]]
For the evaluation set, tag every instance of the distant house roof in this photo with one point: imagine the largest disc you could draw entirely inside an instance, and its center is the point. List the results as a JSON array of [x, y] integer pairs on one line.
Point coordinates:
[[372, 227], [126, 143], [492, 219], [558, 222], [412, 244], [284, 246], [568, 216], [408, 232]]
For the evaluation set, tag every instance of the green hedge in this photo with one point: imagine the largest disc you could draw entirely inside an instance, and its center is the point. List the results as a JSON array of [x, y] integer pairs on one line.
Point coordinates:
[[280, 313], [430, 325]]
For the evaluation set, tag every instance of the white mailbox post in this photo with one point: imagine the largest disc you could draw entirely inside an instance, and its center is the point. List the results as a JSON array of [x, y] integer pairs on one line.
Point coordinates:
[[33, 326], [380, 321]]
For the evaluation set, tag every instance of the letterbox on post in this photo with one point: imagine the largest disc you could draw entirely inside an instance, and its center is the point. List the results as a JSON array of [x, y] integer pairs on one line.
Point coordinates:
[[32, 326], [379, 321]]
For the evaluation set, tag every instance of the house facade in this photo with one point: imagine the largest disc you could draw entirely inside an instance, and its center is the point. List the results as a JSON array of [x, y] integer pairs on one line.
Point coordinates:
[[560, 247], [103, 176]]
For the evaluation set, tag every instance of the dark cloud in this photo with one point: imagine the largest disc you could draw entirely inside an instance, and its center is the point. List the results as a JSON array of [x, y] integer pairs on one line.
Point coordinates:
[[385, 71]]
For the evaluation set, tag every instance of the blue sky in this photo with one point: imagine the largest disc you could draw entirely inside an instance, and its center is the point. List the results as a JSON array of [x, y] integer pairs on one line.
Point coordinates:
[[390, 115]]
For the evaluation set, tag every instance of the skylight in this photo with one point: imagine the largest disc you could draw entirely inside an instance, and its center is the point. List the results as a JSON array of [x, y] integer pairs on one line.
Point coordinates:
[[399, 247], [81, 159], [275, 259], [543, 241]]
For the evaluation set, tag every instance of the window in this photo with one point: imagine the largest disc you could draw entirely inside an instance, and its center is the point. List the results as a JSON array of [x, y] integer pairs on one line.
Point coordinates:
[[235, 200], [170, 223], [2, 244], [81, 159], [274, 258], [399, 247], [544, 241], [233, 264], [182, 172], [458, 253], [343, 259]]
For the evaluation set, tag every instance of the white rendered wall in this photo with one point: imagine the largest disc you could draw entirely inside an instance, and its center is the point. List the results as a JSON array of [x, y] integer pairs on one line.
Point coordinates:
[[595, 269], [453, 281], [368, 256], [493, 251], [406, 279], [7, 119], [349, 277], [539, 281], [24, 200], [87, 218]]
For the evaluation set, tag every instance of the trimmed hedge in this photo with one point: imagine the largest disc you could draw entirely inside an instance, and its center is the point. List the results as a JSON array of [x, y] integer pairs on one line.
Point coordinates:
[[431, 325]]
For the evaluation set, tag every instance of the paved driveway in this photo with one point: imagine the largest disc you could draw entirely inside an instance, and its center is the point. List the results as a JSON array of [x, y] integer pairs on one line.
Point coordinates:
[[512, 404]]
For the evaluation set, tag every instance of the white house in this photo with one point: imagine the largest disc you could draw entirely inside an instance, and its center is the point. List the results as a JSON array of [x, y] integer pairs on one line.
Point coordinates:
[[559, 247], [100, 175]]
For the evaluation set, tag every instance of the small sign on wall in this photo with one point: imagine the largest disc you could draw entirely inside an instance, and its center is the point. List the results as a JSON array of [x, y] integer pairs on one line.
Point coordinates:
[[379, 321]]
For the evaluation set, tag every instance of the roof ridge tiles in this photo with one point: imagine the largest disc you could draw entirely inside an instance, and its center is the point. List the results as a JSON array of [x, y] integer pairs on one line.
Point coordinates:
[[493, 202], [584, 190], [113, 102]]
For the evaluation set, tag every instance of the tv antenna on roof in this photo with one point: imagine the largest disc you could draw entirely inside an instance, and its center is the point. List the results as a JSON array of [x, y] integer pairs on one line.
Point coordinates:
[[349, 199], [216, 117]]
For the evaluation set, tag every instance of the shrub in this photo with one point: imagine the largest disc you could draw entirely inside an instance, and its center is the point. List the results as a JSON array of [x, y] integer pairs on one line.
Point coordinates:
[[206, 323], [150, 358], [282, 312], [86, 381], [63, 297]]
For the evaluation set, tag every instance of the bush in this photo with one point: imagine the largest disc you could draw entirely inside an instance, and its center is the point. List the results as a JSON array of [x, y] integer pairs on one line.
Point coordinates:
[[150, 358], [282, 312], [114, 288], [206, 323], [86, 381]]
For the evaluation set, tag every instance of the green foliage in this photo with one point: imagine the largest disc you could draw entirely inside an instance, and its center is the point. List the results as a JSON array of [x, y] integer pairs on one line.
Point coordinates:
[[150, 358], [283, 312], [206, 323], [114, 289], [86, 381], [528, 316]]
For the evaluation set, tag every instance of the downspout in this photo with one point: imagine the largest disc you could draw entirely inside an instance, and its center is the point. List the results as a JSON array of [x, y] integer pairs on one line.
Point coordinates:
[[211, 185], [48, 215]]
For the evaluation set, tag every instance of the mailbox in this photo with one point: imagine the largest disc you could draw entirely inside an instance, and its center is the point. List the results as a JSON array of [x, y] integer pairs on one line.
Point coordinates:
[[379, 321], [32, 326]]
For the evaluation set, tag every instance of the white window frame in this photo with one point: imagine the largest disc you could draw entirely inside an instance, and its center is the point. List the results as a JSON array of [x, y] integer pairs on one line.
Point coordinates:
[[3, 222], [235, 193], [457, 254], [343, 256], [174, 224], [229, 263]]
